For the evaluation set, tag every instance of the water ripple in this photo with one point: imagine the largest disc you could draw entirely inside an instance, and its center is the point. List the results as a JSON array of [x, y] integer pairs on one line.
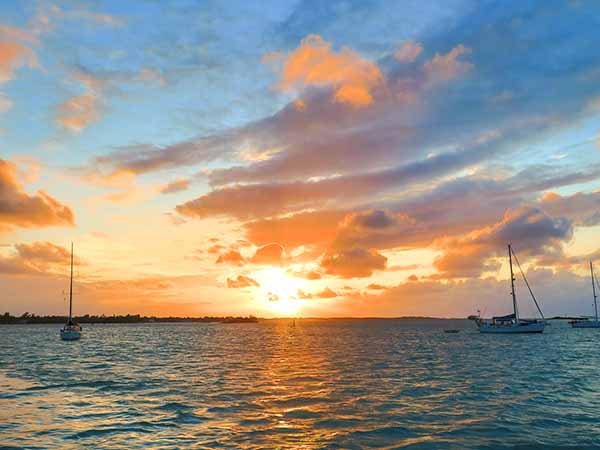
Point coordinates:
[[321, 384]]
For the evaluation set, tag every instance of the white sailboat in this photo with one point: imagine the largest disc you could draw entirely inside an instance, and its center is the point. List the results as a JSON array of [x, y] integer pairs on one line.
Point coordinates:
[[70, 331], [512, 323], [586, 323]]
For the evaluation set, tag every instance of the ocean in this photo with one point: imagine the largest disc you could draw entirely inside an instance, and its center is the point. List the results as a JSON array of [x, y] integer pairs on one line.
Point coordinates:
[[339, 384]]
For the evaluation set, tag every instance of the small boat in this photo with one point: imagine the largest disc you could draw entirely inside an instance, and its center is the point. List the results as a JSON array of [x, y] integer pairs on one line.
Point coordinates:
[[452, 331], [71, 331], [587, 323], [512, 323]]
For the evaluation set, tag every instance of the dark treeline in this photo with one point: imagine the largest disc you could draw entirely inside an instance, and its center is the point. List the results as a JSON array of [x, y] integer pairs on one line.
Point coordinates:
[[28, 318]]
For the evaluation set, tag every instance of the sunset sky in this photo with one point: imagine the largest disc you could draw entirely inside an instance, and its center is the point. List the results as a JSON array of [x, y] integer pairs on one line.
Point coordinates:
[[298, 158]]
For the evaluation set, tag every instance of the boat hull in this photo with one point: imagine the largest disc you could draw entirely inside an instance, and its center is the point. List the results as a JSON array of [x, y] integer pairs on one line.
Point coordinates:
[[523, 328], [70, 333], [586, 324]]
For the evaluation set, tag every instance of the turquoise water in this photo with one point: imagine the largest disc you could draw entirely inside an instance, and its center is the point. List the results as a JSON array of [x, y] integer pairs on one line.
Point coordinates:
[[320, 384]]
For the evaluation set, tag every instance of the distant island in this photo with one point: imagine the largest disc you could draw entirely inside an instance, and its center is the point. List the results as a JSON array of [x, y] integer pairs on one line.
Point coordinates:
[[28, 318]]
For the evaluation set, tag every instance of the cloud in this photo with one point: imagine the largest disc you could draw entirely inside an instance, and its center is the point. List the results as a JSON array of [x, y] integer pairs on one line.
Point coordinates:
[[215, 248], [326, 293], [78, 112], [303, 295], [376, 229], [99, 18], [143, 158], [309, 275], [408, 52], [315, 63], [45, 252], [13, 56], [444, 67], [37, 258], [232, 257], [19, 209], [377, 287], [583, 209], [271, 254], [324, 137], [152, 76], [13, 34], [178, 185], [530, 230], [241, 282], [47, 14], [454, 208], [354, 263], [306, 228], [5, 103], [263, 200], [459, 298]]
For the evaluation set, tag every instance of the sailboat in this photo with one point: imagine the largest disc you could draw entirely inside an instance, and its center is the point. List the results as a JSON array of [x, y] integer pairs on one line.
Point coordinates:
[[586, 323], [71, 331], [512, 323]]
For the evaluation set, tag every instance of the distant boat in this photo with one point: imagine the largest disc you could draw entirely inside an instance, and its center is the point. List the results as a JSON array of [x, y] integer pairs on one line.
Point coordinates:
[[452, 331], [586, 323], [512, 323], [71, 331]]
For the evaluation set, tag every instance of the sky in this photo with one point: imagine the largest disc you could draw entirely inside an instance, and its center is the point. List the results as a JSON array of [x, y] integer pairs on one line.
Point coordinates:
[[299, 158]]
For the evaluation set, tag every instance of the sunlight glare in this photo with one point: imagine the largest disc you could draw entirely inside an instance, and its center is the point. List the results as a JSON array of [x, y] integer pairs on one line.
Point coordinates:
[[278, 291]]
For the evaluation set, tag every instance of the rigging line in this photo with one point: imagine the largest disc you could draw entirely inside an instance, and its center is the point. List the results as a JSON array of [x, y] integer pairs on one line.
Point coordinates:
[[527, 284]]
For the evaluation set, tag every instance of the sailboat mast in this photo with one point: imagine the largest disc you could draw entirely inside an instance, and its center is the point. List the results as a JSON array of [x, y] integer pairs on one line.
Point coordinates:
[[512, 284], [594, 290], [71, 287]]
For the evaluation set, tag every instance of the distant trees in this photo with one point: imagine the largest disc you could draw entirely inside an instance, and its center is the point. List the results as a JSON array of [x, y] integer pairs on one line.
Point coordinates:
[[30, 318]]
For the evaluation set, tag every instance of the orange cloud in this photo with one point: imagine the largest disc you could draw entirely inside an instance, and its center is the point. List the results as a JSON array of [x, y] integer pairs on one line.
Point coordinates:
[[314, 63], [300, 229], [17, 208], [376, 229], [12, 57], [79, 111], [326, 293], [354, 263], [303, 295], [37, 258], [310, 275], [45, 252], [178, 185], [271, 254], [215, 248], [532, 231], [232, 257], [241, 282], [377, 287]]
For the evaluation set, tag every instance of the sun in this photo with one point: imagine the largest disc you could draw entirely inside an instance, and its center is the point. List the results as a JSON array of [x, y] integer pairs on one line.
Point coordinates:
[[278, 291]]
